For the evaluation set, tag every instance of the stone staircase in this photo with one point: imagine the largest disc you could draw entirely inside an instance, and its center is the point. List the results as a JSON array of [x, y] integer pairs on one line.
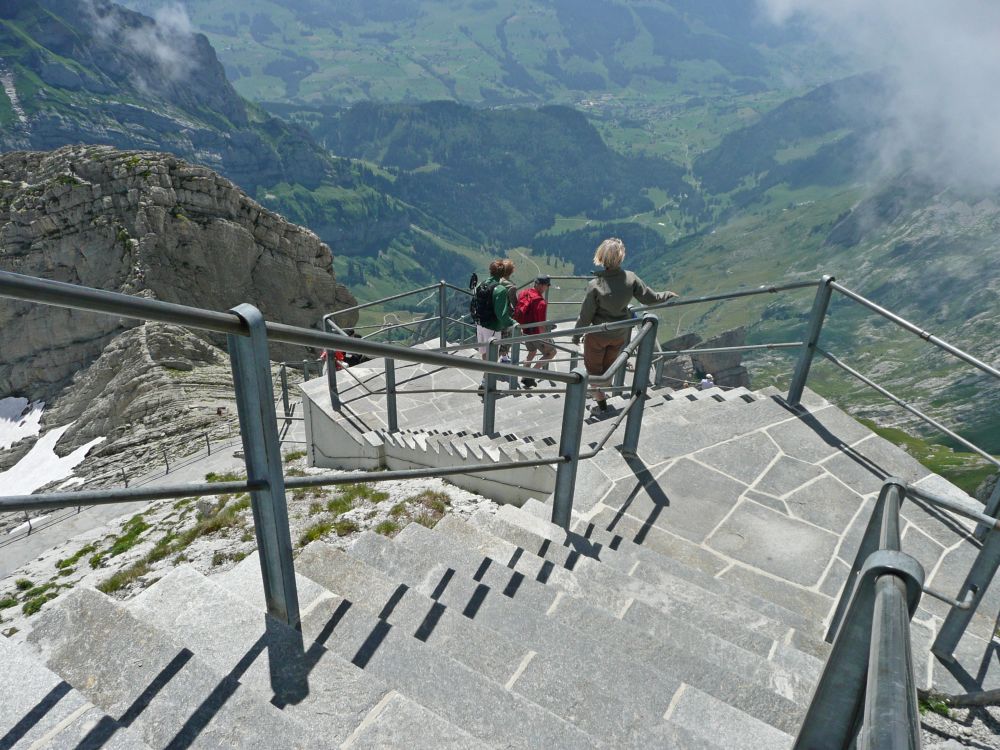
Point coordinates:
[[686, 607]]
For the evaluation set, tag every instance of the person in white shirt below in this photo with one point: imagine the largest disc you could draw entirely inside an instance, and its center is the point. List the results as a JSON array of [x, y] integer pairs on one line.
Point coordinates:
[[707, 382]]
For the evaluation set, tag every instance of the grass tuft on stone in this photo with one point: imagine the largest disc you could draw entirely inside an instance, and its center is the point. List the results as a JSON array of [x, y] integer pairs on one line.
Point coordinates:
[[387, 528], [124, 577], [23, 584], [339, 505], [315, 532], [345, 526]]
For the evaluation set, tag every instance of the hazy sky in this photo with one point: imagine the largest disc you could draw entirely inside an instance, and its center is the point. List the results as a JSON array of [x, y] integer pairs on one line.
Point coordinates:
[[942, 60]]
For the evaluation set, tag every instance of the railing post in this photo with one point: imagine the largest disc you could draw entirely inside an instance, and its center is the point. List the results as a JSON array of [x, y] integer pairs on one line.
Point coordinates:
[[283, 372], [992, 509], [489, 393], [640, 384], [442, 314], [820, 304], [515, 359], [618, 380], [980, 575], [305, 369], [208, 444], [569, 449], [392, 416], [262, 454], [331, 378], [658, 377]]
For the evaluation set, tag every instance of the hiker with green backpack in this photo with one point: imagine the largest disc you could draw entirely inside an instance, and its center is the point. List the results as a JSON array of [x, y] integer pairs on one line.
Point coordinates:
[[492, 307]]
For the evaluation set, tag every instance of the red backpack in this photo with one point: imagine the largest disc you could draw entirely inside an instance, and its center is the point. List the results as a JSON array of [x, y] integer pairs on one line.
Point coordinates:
[[522, 310]]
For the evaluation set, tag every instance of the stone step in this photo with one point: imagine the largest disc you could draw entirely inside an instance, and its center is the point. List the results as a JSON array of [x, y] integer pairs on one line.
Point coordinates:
[[625, 642], [665, 611], [800, 608], [152, 682], [40, 709], [331, 696], [594, 707], [710, 718], [494, 609], [664, 560], [450, 689]]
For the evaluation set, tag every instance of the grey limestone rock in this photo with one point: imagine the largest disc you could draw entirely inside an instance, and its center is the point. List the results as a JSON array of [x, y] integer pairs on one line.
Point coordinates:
[[147, 224]]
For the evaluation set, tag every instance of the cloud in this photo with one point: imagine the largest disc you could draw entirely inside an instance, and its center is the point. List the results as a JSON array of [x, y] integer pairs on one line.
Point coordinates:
[[941, 62], [168, 41]]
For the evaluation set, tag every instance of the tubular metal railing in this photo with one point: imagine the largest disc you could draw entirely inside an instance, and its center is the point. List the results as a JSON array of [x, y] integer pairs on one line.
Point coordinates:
[[870, 628], [867, 691], [247, 340]]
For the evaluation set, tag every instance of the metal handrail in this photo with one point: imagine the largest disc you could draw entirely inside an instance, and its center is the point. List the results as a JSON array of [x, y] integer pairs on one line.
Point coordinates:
[[908, 407], [726, 349], [867, 692], [913, 328], [383, 300], [60, 294]]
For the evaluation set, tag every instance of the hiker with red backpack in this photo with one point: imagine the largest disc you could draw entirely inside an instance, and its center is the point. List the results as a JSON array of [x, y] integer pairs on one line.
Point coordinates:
[[532, 307]]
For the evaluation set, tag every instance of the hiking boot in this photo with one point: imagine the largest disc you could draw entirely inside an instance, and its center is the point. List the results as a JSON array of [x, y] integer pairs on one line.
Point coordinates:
[[600, 408], [528, 382]]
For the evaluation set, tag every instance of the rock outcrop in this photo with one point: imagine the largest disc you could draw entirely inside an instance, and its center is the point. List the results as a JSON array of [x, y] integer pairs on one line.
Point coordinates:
[[148, 224], [690, 368]]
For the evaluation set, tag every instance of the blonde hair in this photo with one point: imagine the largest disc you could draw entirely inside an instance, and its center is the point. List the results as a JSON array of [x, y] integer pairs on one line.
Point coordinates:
[[610, 253]]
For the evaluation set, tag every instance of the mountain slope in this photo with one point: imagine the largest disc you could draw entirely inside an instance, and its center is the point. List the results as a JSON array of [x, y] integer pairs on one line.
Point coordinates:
[[492, 51]]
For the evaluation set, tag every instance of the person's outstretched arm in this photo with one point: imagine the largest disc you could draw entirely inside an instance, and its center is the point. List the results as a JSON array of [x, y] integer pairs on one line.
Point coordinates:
[[646, 295]]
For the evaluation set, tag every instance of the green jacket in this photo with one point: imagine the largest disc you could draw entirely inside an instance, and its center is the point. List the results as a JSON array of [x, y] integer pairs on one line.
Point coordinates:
[[502, 305]]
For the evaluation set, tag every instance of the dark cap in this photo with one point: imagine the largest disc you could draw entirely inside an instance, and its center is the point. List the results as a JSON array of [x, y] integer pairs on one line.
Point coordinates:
[[543, 280]]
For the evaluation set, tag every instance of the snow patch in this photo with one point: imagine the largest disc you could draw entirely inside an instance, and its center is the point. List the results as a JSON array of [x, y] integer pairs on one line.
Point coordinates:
[[19, 419], [41, 465]]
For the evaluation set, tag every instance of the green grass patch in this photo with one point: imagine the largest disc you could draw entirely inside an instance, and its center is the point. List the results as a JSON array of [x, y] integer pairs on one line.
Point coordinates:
[[432, 500], [7, 602], [315, 508], [294, 456], [397, 510], [934, 705], [31, 606], [124, 577], [133, 529], [363, 492], [38, 590], [963, 469], [23, 584], [387, 528], [425, 519], [68, 562], [304, 493], [67, 571], [224, 477], [339, 505], [315, 532], [345, 526], [97, 560]]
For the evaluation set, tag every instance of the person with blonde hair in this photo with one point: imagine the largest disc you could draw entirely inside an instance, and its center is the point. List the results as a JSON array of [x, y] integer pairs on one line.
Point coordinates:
[[607, 301]]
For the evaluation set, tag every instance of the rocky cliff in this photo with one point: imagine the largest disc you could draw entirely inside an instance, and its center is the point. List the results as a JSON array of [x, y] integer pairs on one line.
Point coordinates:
[[147, 224]]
